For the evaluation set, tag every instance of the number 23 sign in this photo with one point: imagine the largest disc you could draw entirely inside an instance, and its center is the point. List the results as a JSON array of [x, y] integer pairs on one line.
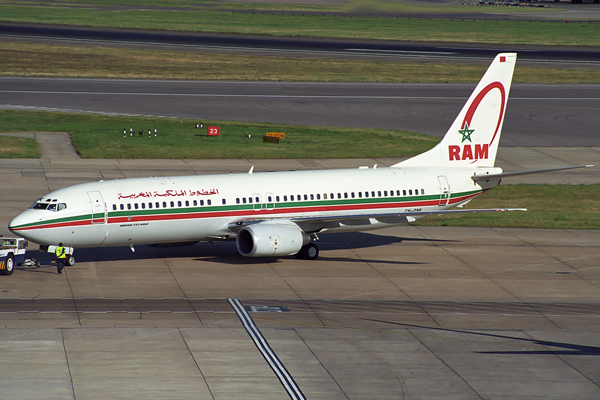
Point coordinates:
[[214, 130]]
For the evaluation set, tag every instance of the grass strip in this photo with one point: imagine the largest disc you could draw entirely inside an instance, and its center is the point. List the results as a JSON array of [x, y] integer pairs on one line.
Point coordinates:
[[368, 27], [15, 147], [29, 59], [548, 207], [97, 136]]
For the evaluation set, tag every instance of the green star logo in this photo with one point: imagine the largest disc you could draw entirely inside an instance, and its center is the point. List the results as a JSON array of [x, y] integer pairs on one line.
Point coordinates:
[[466, 133]]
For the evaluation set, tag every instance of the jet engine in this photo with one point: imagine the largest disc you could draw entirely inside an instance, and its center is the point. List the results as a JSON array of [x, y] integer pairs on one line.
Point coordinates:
[[271, 239]]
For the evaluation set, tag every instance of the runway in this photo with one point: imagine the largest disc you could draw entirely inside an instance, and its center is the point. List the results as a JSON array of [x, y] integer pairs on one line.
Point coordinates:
[[304, 46], [537, 115]]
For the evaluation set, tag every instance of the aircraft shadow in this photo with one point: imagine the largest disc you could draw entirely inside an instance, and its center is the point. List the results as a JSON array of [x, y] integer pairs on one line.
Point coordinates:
[[564, 348], [226, 253]]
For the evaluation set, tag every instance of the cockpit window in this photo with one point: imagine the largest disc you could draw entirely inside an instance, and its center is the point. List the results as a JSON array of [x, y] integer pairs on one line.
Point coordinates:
[[49, 207]]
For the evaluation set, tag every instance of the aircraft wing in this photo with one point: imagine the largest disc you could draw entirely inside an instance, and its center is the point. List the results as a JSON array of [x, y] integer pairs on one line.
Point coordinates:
[[316, 223]]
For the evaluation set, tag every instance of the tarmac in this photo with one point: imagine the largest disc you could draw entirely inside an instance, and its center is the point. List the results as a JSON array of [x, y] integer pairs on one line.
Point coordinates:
[[401, 313]]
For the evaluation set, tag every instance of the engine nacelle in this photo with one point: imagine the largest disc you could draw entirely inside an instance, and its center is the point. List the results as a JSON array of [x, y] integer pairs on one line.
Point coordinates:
[[270, 239]]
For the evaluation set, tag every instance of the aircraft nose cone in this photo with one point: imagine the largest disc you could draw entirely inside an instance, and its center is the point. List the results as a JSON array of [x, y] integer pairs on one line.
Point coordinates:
[[19, 222], [14, 223]]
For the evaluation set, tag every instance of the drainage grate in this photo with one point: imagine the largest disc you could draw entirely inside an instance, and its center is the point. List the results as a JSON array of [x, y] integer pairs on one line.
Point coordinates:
[[267, 309]]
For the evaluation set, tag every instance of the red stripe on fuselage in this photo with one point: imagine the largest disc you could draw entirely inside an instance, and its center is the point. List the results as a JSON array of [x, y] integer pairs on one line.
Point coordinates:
[[252, 213]]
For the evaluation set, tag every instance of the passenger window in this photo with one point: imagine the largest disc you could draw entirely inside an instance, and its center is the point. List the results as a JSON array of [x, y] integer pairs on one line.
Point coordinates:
[[292, 197], [277, 199], [208, 202], [149, 205], [135, 205], [345, 195], [312, 196], [404, 192], [121, 206], [339, 195], [360, 194], [172, 204], [256, 200], [195, 203], [422, 191], [114, 207], [164, 204], [285, 198], [157, 204], [201, 202], [237, 200], [143, 205], [223, 201], [352, 194], [187, 203], [410, 192], [249, 199], [305, 197], [179, 204], [379, 193], [385, 193], [243, 200]]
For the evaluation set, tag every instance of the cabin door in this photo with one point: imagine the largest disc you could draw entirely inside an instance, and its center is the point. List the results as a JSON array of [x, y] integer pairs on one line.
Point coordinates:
[[98, 207], [444, 190]]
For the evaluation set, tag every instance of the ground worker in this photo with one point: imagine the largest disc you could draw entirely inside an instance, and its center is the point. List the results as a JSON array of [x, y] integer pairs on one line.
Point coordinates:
[[61, 258]]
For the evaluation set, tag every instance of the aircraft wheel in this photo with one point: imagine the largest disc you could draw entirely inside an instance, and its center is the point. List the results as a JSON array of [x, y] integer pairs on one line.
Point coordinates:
[[308, 252], [9, 265], [70, 261]]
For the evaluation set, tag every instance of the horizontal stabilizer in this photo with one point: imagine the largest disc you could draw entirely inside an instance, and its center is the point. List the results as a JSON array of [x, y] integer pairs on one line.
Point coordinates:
[[534, 171]]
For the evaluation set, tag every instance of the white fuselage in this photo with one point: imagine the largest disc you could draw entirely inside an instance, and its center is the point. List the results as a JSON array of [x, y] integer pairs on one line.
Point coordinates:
[[206, 208]]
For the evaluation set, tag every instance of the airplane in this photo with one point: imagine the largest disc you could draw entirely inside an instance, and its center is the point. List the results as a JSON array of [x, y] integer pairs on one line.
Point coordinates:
[[282, 213]]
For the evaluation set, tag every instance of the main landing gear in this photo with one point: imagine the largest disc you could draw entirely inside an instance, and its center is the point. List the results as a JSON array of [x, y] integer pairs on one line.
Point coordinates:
[[309, 251]]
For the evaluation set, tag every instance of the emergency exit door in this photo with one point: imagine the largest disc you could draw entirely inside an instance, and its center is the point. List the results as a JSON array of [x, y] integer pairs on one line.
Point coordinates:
[[444, 190], [98, 207]]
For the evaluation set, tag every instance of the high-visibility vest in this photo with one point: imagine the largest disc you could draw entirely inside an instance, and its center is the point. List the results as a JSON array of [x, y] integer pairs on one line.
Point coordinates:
[[60, 252]]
